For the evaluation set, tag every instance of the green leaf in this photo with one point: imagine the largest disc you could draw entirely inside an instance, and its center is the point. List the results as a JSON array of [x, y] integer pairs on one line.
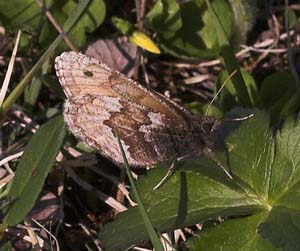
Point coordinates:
[[22, 14], [286, 167], [27, 14], [188, 32], [282, 228], [33, 168], [6, 247], [32, 91], [273, 87], [18, 90], [276, 91], [249, 151], [232, 235], [228, 97], [122, 25], [199, 193], [165, 16], [245, 13], [151, 232], [265, 188], [273, 175], [88, 22]]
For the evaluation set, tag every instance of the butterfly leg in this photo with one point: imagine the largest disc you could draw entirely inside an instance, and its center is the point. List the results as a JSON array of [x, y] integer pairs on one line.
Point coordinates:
[[214, 158], [169, 173]]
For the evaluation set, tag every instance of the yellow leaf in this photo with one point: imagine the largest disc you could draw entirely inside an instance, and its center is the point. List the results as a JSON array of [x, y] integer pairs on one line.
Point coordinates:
[[142, 40]]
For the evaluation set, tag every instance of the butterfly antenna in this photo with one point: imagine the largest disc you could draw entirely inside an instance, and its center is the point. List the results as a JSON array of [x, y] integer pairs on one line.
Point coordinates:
[[218, 92]]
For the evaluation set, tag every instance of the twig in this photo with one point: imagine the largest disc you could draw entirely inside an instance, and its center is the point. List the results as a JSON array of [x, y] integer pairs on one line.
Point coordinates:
[[48, 232], [11, 157], [239, 54], [102, 196], [56, 25], [34, 239], [115, 181], [95, 240], [140, 10]]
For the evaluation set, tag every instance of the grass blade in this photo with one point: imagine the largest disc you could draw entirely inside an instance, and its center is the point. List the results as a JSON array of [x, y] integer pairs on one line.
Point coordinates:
[[157, 245], [33, 168]]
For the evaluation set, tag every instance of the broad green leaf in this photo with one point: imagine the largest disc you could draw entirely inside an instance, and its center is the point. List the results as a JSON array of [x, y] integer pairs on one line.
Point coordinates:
[[227, 53], [191, 33], [286, 167], [275, 93], [273, 87], [249, 152], [33, 168], [271, 167], [282, 228], [199, 193], [235, 234], [265, 188], [27, 14], [22, 14], [165, 16]]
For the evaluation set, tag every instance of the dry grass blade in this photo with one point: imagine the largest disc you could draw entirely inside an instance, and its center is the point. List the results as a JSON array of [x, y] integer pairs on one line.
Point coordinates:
[[104, 197], [9, 70]]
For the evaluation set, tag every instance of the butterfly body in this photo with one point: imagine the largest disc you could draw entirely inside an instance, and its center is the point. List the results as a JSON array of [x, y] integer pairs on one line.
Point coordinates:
[[151, 127]]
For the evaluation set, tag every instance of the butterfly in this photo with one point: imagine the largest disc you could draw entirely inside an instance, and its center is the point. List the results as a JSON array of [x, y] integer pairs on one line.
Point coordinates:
[[151, 127]]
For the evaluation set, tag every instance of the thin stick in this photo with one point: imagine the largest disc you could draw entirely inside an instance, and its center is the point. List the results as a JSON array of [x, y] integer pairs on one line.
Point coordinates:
[[9, 69], [56, 25]]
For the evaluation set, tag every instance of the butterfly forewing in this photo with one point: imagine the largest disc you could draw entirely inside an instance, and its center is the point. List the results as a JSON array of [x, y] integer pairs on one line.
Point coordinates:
[[100, 101]]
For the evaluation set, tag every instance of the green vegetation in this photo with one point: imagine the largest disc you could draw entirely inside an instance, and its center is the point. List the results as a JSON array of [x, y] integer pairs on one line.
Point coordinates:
[[257, 141]]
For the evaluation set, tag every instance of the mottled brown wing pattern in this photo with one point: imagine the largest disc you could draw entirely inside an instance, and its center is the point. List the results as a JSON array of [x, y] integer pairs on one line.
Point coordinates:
[[151, 127]]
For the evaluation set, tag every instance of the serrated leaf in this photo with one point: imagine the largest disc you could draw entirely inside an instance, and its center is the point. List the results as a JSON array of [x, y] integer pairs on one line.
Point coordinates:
[[33, 168], [272, 169], [249, 151]]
